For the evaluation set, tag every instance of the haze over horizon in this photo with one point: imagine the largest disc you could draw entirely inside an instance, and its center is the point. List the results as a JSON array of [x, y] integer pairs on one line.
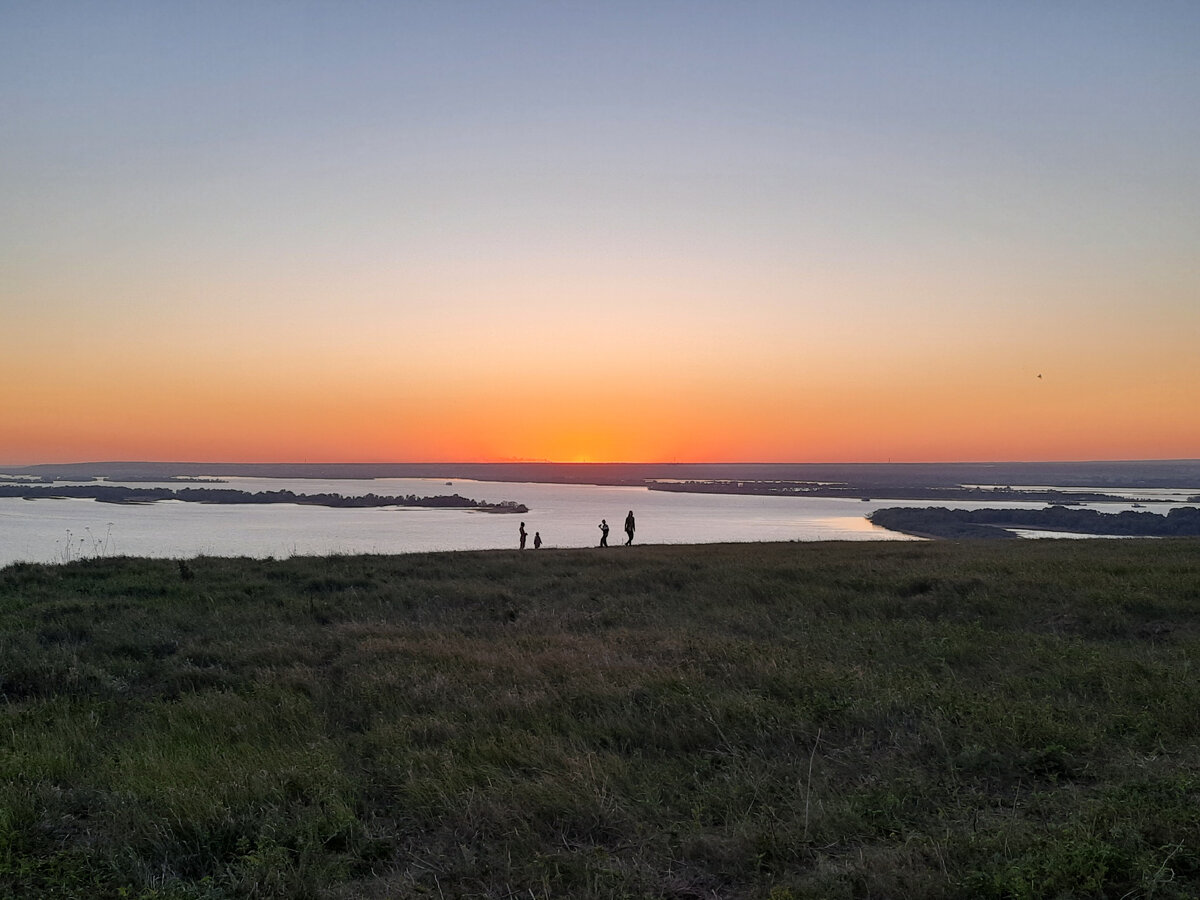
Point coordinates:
[[692, 232]]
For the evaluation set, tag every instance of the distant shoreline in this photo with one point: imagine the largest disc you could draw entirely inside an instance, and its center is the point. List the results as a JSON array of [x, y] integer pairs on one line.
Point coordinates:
[[914, 492], [1001, 524], [112, 493], [868, 479]]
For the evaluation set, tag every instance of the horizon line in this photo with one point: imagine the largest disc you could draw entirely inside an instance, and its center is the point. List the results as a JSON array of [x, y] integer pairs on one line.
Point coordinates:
[[582, 463]]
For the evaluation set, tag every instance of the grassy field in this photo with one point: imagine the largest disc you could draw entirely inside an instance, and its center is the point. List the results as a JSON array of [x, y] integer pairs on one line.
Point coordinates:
[[1008, 719]]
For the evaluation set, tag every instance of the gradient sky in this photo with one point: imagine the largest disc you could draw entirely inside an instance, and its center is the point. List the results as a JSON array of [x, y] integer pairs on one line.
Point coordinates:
[[641, 231]]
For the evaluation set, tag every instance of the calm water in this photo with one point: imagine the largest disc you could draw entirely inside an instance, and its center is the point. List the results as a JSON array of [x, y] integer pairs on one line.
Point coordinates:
[[566, 516]]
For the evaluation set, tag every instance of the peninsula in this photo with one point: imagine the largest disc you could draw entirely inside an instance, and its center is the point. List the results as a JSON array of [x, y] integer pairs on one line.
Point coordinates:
[[939, 522], [111, 493]]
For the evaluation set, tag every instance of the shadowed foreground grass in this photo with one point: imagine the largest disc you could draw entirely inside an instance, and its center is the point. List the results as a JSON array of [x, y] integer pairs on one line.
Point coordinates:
[[778, 721]]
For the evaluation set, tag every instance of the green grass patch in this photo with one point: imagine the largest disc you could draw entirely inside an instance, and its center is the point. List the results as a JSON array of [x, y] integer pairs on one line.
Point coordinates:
[[1005, 720]]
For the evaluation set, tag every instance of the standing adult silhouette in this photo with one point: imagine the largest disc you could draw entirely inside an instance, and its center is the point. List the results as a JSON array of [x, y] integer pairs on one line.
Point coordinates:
[[629, 526], [522, 533]]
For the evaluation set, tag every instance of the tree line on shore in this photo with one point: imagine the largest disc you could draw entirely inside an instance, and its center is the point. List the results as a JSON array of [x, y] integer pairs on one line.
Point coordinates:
[[994, 523], [117, 494]]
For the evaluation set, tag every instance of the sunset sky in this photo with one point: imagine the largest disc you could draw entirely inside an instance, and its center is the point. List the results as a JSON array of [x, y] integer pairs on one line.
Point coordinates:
[[638, 231]]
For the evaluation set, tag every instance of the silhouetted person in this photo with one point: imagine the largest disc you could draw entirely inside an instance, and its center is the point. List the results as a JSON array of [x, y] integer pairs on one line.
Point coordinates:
[[537, 540], [522, 533], [629, 526], [603, 533]]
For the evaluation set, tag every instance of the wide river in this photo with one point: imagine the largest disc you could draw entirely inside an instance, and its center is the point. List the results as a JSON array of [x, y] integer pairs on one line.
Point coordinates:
[[566, 515]]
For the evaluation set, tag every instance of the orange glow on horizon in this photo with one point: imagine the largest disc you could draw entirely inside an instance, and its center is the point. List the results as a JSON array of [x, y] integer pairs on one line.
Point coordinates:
[[616, 401], [890, 423]]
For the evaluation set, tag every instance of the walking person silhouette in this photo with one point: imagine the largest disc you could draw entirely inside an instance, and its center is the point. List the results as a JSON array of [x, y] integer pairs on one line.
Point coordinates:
[[603, 532], [629, 526]]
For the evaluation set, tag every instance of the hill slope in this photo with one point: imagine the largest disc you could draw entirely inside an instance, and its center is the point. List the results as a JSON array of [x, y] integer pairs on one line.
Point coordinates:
[[1010, 719]]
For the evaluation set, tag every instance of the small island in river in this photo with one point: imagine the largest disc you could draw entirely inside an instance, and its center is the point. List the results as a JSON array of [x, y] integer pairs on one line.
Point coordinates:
[[109, 493], [867, 491], [992, 524]]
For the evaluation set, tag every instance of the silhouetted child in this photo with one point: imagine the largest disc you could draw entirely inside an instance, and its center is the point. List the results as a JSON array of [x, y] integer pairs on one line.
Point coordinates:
[[522, 533], [537, 540], [603, 532], [629, 526]]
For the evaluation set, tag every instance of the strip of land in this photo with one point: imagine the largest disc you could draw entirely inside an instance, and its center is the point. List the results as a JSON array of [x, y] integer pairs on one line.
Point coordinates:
[[111, 493], [886, 492], [877, 478], [939, 719], [1181, 521]]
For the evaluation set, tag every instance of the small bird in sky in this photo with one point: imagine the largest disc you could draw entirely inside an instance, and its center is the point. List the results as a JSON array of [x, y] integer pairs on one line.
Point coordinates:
[[1039, 376]]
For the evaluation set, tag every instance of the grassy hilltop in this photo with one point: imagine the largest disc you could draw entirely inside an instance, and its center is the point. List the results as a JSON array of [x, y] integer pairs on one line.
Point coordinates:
[[1009, 719]]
